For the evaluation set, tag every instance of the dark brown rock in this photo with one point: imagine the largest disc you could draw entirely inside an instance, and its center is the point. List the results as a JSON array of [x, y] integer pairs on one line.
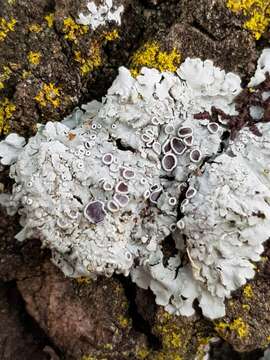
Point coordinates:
[[82, 318], [16, 341]]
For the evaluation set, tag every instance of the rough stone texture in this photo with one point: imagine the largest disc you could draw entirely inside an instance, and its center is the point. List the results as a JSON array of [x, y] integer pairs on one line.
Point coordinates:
[[81, 318], [57, 65], [16, 340], [176, 335], [95, 319]]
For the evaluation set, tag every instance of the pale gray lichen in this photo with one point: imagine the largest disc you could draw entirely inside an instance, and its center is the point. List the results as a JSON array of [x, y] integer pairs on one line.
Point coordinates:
[[266, 355], [101, 14], [10, 148], [263, 67], [102, 188]]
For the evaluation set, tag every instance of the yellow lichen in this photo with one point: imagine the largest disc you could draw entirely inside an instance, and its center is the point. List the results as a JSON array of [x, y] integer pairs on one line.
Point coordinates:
[[108, 346], [238, 326], [26, 74], [142, 353], [35, 28], [246, 307], [7, 109], [248, 291], [34, 57], [91, 62], [49, 94], [256, 12], [50, 19], [111, 35], [166, 316], [83, 280], [151, 56], [264, 258], [171, 338], [88, 357], [4, 76], [72, 30], [164, 355], [124, 321], [11, 2], [6, 27], [202, 347], [265, 342]]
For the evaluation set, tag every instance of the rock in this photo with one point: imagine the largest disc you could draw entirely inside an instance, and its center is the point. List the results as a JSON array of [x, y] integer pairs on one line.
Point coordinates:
[[83, 318], [48, 66], [16, 340]]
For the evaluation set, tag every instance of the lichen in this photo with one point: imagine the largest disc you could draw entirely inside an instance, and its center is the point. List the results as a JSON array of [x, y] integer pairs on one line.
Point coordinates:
[[50, 19], [108, 346], [256, 12], [124, 322], [92, 61], [7, 109], [34, 57], [151, 56], [246, 307], [102, 189], [26, 74], [49, 95], [72, 30], [111, 35], [142, 353], [6, 26], [83, 280], [248, 291], [101, 14], [203, 348], [238, 326], [165, 355], [35, 28], [170, 339], [4, 76]]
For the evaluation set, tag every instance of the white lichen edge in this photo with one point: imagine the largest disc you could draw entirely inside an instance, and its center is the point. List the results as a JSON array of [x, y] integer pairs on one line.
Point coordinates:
[[101, 189], [100, 15], [262, 68], [10, 148]]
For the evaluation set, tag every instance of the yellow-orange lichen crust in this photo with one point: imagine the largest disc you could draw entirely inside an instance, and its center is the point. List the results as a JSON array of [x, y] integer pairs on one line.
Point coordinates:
[[256, 12], [150, 55]]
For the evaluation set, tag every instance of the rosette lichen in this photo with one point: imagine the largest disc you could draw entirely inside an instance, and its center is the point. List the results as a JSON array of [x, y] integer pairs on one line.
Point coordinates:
[[99, 15], [105, 188]]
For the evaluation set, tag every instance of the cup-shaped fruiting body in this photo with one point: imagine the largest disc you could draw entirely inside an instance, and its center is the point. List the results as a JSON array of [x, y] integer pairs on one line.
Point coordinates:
[[169, 162], [104, 195], [177, 146], [95, 211]]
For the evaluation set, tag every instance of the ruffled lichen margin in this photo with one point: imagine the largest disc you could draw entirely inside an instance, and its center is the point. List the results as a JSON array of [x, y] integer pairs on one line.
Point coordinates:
[[102, 188]]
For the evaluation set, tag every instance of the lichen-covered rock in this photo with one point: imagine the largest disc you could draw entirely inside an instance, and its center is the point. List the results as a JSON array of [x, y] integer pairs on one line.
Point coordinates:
[[142, 143], [181, 337], [239, 327], [53, 67], [59, 60]]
